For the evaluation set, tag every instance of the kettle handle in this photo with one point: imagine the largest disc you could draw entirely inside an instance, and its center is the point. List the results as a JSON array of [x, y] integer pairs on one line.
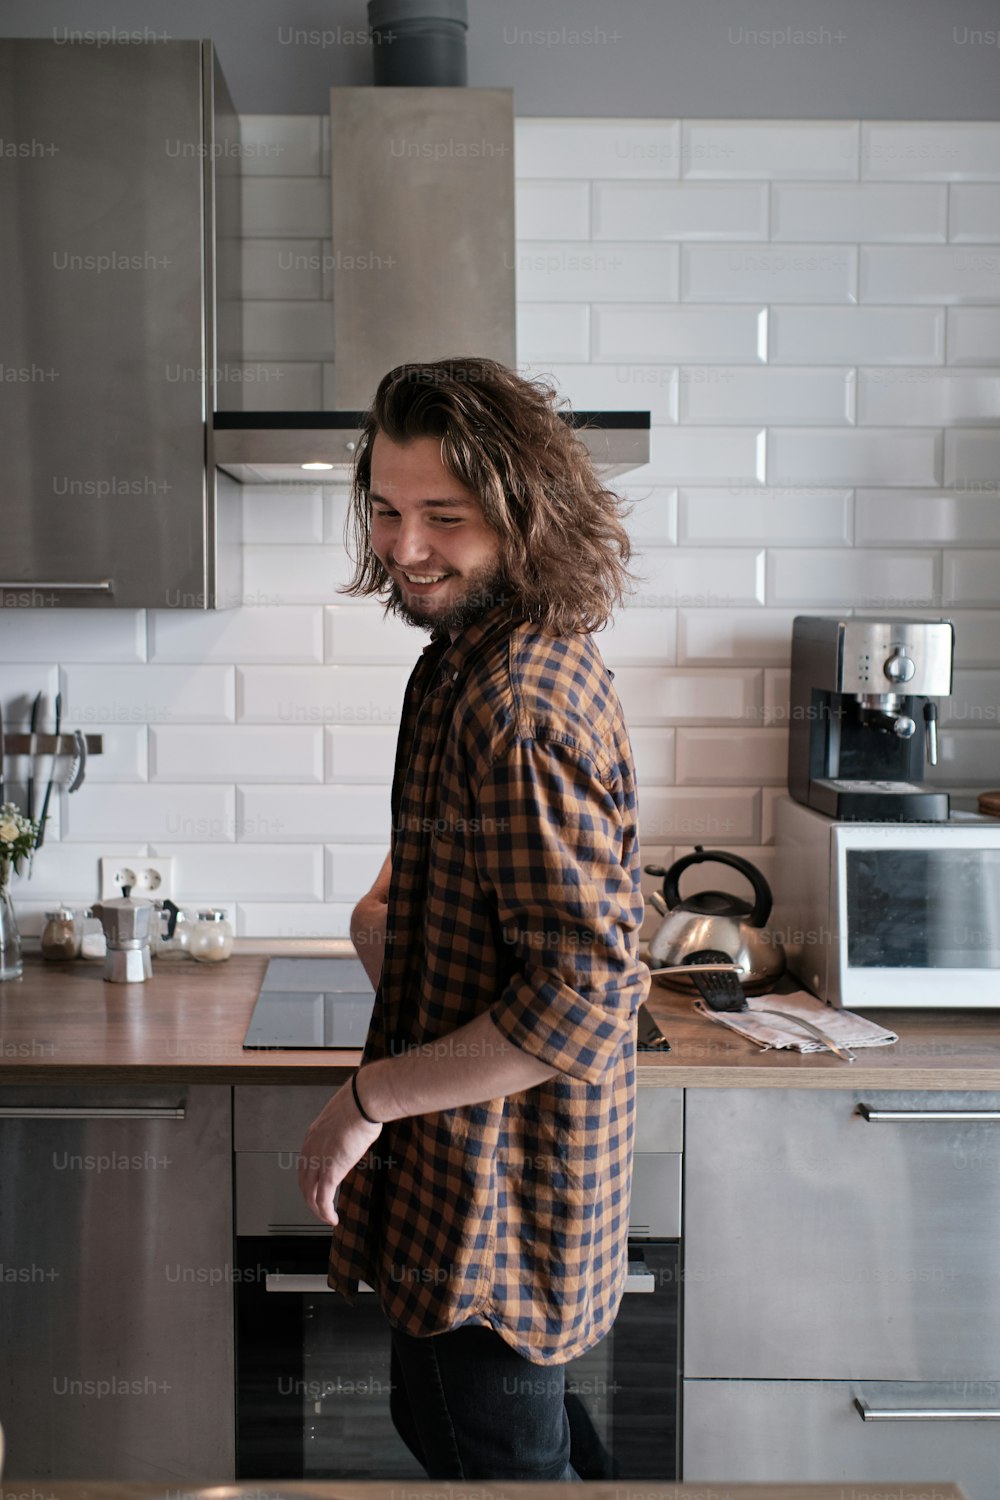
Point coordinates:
[[762, 898]]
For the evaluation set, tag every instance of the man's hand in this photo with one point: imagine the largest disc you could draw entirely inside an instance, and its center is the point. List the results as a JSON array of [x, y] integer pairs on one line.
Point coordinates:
[[335, 1142], [368, 923]]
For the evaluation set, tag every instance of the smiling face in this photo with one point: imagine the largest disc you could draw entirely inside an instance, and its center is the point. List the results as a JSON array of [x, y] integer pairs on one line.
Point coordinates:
[[430, 534]]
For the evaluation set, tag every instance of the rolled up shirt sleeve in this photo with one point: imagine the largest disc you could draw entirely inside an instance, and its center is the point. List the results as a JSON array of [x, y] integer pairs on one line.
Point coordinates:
[[556, 859]]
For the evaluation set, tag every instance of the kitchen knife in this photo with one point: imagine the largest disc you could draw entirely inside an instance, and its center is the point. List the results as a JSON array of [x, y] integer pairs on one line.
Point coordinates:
[[52, 770], [35, 709]]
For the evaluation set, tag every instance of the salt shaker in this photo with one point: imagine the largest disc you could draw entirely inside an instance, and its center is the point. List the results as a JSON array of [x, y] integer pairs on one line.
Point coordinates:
[[211, 937], [59, 937]]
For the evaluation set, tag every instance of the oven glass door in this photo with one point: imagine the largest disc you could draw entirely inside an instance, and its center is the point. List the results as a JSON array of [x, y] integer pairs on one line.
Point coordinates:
[[313, 1389]]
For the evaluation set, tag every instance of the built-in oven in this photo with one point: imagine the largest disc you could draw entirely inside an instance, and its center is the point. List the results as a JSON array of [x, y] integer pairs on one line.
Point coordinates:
[[313, 1386]]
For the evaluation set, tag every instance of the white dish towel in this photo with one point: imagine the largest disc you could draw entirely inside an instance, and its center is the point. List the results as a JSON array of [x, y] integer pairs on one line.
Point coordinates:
[[842, 1026]]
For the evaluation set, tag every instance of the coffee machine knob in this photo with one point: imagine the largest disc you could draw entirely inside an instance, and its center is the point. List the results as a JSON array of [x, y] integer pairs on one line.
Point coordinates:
[[899, 667], [904, 728]]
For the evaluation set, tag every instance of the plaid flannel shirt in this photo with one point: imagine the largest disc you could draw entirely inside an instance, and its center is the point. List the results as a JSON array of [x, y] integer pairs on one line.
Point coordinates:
[[514, 889]]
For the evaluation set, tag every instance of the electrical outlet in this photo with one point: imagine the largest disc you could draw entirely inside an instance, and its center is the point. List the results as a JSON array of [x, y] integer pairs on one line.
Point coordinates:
[[151, 877]]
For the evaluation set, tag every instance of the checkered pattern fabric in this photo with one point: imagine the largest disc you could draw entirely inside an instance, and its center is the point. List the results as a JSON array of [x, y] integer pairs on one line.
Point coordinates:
[[515, 889]]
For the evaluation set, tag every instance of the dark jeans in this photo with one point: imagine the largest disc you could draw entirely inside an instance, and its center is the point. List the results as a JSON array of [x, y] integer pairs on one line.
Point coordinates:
[[468, 1406]]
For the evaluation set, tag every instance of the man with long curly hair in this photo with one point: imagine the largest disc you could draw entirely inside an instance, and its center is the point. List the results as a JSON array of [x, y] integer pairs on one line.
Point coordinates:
[[501, 934]]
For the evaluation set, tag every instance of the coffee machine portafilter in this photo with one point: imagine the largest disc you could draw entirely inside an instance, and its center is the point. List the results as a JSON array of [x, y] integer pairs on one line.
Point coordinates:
[[863, 716]]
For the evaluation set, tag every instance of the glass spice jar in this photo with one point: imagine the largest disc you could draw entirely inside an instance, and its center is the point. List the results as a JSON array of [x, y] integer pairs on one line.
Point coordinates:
[[211, 938], [59, 936]]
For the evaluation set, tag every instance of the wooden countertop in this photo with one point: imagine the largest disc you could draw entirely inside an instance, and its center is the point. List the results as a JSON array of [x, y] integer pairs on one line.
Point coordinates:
[[271, 1489], [62, 1023]]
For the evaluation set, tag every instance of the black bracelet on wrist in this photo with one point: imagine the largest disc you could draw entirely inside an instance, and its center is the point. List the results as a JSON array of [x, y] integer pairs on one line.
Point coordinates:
[[361, 1109]]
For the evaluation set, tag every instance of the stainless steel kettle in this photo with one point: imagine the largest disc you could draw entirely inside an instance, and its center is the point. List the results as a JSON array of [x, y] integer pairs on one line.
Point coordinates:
[[715, 923]]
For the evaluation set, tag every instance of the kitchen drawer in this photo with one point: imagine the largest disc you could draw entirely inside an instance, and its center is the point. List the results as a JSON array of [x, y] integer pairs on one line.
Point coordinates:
[[805, 1430], [820, 1244]]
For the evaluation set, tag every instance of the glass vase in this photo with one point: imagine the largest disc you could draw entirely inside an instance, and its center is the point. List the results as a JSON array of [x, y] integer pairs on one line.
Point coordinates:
[[11, 963]]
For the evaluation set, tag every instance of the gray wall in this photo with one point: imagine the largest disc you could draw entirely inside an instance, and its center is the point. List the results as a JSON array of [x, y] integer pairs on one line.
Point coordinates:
[[881, 59]]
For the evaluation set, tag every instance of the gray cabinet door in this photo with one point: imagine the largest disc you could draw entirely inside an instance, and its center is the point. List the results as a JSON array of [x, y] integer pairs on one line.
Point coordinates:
[[802, 1431], [116, 1288], [107, 340], [823, 1245]]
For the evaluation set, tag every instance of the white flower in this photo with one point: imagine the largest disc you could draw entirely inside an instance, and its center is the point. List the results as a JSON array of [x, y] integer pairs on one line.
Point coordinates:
[[9, 830]]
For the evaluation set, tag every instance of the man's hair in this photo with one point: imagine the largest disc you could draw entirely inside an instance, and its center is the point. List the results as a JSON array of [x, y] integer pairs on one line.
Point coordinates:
[[563, 547]]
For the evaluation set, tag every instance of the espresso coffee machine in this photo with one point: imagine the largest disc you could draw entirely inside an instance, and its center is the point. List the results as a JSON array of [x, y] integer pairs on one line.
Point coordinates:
[[863, 716]]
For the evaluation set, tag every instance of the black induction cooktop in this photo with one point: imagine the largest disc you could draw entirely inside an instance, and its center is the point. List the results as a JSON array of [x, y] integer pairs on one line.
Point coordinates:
[[312, 1002]]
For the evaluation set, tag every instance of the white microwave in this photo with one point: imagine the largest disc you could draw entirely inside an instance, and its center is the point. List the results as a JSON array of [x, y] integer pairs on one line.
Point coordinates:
[[889, 914]]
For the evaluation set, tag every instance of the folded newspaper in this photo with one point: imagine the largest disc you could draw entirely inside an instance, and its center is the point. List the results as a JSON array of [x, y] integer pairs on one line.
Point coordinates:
[[842, 1026]]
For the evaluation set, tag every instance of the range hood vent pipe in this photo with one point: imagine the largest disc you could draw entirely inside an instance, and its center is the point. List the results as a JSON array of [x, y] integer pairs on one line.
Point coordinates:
[[419, 43]]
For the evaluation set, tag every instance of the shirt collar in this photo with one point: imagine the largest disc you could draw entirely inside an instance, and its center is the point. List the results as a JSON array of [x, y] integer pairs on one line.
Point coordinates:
[[492, 625]]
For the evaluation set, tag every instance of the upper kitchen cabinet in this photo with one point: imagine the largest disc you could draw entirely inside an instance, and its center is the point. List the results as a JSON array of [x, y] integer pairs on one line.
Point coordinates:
[[119, 311]]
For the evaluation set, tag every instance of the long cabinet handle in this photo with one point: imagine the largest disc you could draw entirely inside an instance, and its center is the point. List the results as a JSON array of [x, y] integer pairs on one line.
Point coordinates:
[[904, 1116], [926, 1413], [279, 1281], [100, 585], [96, 1112]]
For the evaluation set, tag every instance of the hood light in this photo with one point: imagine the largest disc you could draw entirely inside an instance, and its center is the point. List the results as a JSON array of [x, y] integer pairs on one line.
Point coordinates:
[[316, 466]]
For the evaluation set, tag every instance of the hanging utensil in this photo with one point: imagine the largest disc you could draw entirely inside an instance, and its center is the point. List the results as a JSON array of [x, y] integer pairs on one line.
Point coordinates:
[[35, 710], [48, 790], [79, 766], [3, 760]]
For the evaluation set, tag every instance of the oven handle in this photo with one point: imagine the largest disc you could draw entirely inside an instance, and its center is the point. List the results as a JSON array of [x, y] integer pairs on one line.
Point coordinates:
[[925, 1413], [280, 1281]]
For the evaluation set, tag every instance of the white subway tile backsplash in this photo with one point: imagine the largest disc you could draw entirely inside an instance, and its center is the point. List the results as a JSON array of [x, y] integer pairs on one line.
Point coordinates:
[[717, 578], [770, 149], [857, 211], [290, 207], [864, 580], [283, 515], [927, 397], [770, 273], [549, 332], [237, 753], [927, 518], [277, 576], [709, 455], [932, 273], [973, 335], [857, 335], [977, 637], [321, 695], [336, 512], [124, 757], [972, 457], [566, 271], [359, 633], [768, 797], [731, 394], [359, 753], [730, 334], [930, 151], [594, 387], [972, 578], [101, 697], [671, 695], [279, 269], [280, 145], [280, 919], [351, 870], [679, 211], [709, 756], [302, 814], [969, 758], [974, 213], [552, 210], [777, 696], [875, 456], [70, 872], [264, 633], [87, 635], [639, 635], [707, 637], [652, 516], [160, 814], [653, 753], [246, 872], [974, 701], [575, 148], [689, 815], [776, 518]]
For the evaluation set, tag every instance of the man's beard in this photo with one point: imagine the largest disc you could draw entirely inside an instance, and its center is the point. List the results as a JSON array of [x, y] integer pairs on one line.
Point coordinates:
[[485, 588]]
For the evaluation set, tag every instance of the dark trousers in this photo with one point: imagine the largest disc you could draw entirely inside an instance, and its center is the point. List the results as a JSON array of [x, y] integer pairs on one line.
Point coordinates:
[[468, 1406]]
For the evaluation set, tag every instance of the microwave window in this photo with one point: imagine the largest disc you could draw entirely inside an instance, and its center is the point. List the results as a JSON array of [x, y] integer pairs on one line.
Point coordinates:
[[923, 908]]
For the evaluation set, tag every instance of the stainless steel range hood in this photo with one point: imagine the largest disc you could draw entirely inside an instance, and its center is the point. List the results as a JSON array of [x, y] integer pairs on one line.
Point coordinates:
[[422, 267]]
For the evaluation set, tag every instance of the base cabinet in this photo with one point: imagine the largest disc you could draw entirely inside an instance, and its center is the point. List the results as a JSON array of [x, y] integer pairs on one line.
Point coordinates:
[[810, 1430]]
